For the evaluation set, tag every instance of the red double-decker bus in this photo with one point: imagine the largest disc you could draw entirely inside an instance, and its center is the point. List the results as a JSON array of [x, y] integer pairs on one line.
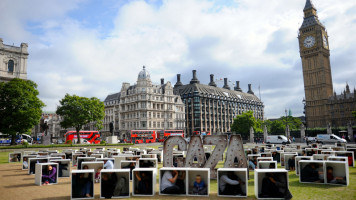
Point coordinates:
[[143, 136], [163, 135], [92, 137]]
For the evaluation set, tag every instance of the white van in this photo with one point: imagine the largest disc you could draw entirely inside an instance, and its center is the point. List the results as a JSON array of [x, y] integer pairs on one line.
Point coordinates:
[[277, 139], [329, 138]]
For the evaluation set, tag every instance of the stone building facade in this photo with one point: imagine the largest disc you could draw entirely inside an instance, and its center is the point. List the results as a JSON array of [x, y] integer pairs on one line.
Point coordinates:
[[322, 106], [209, 108], [144, 106], [54, 128], [340, 108], [112, 112], [13, 61]]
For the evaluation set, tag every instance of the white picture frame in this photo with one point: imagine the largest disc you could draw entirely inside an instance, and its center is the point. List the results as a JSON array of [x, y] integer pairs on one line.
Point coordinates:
[[149, 172], [260, 174], [39, 172], [89, 182], [241, 173], [123, 178]]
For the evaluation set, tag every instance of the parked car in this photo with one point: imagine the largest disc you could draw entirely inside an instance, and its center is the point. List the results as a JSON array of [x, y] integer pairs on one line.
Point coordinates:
[[329, 138], [277, 139]]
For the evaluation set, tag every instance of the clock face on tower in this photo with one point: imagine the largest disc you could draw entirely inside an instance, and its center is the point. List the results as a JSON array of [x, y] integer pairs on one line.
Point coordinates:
[[309, 41]]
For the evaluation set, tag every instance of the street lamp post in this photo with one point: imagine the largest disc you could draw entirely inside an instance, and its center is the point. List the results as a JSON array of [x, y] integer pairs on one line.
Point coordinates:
[[305, 114], [286, 123]]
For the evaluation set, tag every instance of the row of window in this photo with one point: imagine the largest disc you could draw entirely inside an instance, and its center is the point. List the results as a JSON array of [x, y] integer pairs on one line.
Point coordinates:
[[155, 106], [150, 114], [149, 90], [223, 103], [113, 102], [144, 97], [143, 124], [222, 98]]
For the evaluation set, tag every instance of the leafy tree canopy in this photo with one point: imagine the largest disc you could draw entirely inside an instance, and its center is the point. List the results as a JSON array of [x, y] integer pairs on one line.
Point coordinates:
[[20, 107], [279, 125], [242, 123], [77, 111], [354, 114]]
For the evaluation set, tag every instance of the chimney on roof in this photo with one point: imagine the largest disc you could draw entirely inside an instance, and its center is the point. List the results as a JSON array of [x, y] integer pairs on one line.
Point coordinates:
[[194, 79], [226, 85], [250, 89], [212, 83], [178, 81], [237, 88], [162, 81]]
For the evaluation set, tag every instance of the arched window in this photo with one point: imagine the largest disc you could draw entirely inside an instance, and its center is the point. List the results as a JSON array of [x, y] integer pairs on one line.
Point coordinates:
[[10, 66]]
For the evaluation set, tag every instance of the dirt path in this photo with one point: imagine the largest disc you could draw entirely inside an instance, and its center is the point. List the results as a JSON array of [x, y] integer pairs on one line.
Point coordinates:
[[17, 184]]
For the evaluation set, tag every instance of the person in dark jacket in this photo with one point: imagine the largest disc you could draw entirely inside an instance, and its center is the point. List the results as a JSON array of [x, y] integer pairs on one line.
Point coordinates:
[[275, 185], [144, 183], [310, 173], [291, 163], [82, 185], [108, 183]]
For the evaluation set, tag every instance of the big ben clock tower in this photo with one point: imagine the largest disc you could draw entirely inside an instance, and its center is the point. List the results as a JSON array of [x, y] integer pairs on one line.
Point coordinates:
[[315, 55]]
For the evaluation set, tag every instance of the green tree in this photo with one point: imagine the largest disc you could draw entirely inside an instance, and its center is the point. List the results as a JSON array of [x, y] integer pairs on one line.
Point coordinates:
[[277, 126], [354, 114], [20, 107], [267, 123], [77, 111], [242, 123], [293, 122], [259, 126]]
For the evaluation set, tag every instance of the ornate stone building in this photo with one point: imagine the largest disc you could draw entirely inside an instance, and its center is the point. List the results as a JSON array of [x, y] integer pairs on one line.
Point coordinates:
[[112, 112], [54, 128], [212, 109], [146, 106], [322, 106], [340, 108], [13, 61]]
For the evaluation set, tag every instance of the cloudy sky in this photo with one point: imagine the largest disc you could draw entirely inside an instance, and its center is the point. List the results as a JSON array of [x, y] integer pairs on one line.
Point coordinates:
[[89, 47]]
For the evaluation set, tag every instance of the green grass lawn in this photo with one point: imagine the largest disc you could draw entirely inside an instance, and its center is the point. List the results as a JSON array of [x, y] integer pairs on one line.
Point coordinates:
[[298, 190]]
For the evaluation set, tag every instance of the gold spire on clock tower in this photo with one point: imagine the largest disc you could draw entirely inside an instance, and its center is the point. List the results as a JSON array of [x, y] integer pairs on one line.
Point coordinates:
[[315, 55]]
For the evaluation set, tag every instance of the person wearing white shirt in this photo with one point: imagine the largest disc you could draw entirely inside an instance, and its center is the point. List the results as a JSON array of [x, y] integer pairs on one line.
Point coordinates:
[[230, 184], [170, 184], [108, 164]]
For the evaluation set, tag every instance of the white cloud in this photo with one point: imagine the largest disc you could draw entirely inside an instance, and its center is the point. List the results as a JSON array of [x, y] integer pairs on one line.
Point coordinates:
[[254, 41]]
